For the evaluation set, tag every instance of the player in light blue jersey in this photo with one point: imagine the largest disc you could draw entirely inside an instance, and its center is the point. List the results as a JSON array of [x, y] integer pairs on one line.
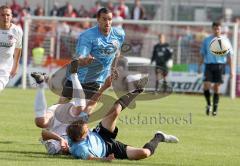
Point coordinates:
[[101, 143], [97, 50], [214, 69]]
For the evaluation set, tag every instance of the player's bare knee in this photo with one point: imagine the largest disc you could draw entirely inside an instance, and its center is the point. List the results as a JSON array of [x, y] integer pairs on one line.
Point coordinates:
[[117, 109], [140, 154], [145, 153], [41, 122]]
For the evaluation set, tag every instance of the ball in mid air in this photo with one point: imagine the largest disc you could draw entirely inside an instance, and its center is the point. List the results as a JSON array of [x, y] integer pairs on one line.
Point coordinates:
[[220, 46]]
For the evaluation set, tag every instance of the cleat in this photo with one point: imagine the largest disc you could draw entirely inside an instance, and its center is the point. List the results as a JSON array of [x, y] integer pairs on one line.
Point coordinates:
[[39, 77], [167, 138], [164, 86], [208, 109], [214, 113], [74, 66]]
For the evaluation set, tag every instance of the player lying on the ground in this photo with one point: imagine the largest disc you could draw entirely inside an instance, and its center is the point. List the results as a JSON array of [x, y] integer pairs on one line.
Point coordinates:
[[56, 118], [100, 143]]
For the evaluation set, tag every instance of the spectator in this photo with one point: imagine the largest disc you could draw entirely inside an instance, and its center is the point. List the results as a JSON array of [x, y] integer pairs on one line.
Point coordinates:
[[63, 28], [26, 6], [16, 8], [82, 12], [85, 25], [124, 10], [23, 14], [94, 10], [70, 11], [39, 11], [117, 17], [62, 9], [138, 11], [54, 11], [38, 55], [110, 6]]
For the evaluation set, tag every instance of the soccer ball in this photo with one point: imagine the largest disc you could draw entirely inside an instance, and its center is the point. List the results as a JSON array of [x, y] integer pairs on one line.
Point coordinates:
[[169, 63], [220, 46]]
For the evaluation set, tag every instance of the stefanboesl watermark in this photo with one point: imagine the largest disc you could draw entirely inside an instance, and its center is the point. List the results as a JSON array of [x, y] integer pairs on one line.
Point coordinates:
[[157, 119]]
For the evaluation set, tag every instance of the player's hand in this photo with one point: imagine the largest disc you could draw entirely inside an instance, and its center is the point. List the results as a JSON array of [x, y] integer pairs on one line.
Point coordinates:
[[13, 71], [114, 74], [109, 157], [85, 61], [108, 82], [64, 145]]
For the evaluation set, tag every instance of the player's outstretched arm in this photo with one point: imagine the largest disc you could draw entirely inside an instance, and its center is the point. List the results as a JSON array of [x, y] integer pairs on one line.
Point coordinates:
[[109, 158], [85, 61], [95, 98], [47, 135], [114, 72]]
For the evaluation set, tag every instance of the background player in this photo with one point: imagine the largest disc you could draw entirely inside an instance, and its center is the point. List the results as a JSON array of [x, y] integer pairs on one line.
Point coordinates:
[[103, 43], [161, 55], [214, 69], [10, 46]]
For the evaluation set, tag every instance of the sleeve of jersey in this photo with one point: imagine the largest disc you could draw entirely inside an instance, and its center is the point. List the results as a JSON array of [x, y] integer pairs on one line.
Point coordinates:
[[19, 38], [82, 153], [84, 46]]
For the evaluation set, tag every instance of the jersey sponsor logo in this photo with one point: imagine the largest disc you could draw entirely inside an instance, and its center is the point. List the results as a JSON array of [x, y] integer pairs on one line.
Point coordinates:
[[109, 50], [10, 37], [7, 45]]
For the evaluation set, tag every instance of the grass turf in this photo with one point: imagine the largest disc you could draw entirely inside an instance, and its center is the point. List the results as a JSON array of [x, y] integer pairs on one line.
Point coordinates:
[[203, 140]]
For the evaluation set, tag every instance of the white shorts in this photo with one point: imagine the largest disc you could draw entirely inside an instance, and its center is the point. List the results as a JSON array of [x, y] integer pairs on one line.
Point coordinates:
[[3, 82], [52, 146]]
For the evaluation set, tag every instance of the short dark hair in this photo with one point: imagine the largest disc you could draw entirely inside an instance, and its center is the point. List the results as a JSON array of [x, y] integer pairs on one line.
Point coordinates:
[[103, 10], [75, 130], [216, 24], [4, 7]]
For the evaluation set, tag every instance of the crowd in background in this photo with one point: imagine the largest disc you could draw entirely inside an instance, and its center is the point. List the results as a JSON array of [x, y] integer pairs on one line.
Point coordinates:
[[67, 32], [120, 10]]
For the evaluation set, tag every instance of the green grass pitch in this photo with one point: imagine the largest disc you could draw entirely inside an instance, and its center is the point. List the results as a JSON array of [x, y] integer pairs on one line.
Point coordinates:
[[203, 140]]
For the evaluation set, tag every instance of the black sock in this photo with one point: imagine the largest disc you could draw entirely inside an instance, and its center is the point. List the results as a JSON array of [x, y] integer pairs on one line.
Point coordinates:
[[125, 100], [215, 101], [207, 96], [156, 86], [153, 143]]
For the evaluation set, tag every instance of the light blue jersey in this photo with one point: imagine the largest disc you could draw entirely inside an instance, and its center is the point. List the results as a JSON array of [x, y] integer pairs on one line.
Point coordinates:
[[210, 58], [102, 48], [92, 145]]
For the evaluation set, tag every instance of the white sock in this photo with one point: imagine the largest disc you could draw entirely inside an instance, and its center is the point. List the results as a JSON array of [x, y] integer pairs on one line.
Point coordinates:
[[40, 104], [78, 93]]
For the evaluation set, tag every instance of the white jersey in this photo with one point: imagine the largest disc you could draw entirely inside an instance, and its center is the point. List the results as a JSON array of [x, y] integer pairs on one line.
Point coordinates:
[[9, 40]]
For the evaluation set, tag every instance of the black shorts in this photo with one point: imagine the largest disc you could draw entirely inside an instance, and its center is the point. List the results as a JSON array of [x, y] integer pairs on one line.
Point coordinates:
[[89, 89], [117, 148], [161, 68], [214, 73]]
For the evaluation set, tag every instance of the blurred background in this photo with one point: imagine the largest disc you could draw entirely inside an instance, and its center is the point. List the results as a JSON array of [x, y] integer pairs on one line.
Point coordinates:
[[54, 26]]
